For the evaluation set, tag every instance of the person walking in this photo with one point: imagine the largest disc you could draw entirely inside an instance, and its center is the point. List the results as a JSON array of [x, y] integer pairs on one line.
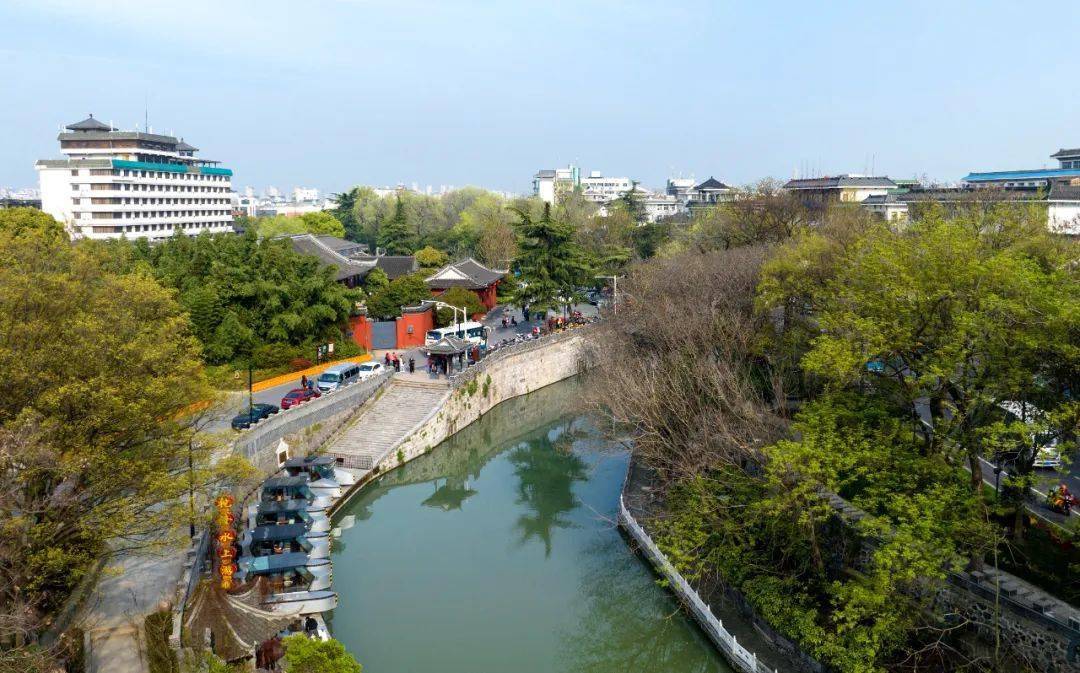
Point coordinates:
[[303, 381], [386, 359], [412, 365]]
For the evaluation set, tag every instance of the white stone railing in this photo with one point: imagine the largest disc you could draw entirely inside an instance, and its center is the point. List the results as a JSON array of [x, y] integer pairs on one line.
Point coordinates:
[[739, 657]]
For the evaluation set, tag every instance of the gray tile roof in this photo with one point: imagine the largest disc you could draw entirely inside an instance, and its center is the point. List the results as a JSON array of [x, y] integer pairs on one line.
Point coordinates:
[[476, 276], [89, 124], [712, 183], [395, 266], [1066, 153], [545, 173], [308, 244], [838, 181]]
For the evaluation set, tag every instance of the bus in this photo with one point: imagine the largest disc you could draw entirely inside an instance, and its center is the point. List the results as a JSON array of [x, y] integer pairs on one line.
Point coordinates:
[[473, 332]]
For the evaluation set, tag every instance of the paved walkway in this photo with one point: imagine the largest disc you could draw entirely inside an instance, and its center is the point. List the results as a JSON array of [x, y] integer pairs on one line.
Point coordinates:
[[133, 586], [402, 404]]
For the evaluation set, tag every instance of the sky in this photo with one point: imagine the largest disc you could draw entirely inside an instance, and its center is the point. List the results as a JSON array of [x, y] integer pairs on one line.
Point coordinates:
[[333, 93]]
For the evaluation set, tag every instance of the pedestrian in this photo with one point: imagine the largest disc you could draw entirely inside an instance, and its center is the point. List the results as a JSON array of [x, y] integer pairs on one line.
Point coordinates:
[[525, 313], [397, 363], [386, 359], [303, 381], [412, 365]]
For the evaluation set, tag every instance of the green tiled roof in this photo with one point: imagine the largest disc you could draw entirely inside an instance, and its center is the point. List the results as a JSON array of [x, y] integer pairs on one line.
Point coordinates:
[[169, 168]]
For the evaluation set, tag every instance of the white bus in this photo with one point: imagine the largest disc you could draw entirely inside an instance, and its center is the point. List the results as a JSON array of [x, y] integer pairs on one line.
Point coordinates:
[[471, 331]]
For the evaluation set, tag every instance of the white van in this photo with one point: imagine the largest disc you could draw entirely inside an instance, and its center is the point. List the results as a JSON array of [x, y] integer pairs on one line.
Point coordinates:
[[338, 376]]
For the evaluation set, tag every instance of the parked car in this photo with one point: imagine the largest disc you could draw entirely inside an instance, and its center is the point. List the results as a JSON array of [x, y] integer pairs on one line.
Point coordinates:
[[338, 376], [298, 396], [369, 369], [248, 417]]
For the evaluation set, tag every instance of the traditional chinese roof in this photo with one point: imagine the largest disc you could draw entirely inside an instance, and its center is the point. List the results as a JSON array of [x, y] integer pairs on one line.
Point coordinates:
[[711, 184], [448, 345], [89, 124], [395, 266], [319, 246], [468, 273]]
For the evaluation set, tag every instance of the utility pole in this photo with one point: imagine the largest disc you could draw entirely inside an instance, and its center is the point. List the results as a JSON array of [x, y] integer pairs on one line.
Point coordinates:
[[614, 291], [251, 397]]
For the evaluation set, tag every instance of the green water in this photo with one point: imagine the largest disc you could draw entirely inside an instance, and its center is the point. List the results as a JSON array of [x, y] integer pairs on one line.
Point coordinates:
[[497, 552]]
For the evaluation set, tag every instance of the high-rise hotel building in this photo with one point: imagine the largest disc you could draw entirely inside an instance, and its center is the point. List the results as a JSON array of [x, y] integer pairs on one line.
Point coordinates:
[[135, 184]]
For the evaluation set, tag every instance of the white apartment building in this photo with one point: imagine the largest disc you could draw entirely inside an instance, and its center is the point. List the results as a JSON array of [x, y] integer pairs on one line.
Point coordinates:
[[135, 184], [600, 189], [302, 194]]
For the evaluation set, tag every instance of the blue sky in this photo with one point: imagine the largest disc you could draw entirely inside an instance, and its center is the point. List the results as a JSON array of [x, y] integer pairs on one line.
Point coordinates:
[[332, 93]]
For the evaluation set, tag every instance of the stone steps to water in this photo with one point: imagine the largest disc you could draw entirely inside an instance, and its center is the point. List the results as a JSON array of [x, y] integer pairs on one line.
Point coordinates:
[[386, 421]]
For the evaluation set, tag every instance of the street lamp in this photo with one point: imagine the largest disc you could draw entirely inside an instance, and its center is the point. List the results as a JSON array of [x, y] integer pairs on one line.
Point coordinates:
[[614, 291], [443, 304]]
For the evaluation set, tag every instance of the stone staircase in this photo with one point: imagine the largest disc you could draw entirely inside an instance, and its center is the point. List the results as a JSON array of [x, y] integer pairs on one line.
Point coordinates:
[[386, 421]]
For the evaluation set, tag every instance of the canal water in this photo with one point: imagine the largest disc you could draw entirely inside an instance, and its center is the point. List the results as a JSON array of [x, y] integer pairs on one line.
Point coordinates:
[[498, 552]]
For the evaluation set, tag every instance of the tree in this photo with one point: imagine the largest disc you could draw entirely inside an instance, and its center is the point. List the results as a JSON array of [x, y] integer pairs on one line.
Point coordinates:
[[550, 265], [394, 235], [375, 280], [18, 222], [405, 291], [461, 298], [345, 202], [484, 230], [320, 223], [431, 258], [310, 655], [961, 313], [244, 291], [100, 370]]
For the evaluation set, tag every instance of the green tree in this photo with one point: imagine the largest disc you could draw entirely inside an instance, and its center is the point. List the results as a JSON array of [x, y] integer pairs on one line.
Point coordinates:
[[95, 438], [309, 655], [550, 265], [320, 223], [345, 202], [964, 311], [431, 258], [244, 291], [405, 291], [19, 222], [461, 298], [395, 236], [375, 280]]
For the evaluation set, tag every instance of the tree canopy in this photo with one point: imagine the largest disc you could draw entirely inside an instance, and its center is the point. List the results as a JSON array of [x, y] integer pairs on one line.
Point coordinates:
[[321, 222], [244, 291], [310, 655], [100, 370], [550, 265]]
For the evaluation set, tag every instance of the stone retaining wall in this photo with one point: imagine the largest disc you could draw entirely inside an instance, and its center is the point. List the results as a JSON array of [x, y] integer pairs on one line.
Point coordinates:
[[503, 376]]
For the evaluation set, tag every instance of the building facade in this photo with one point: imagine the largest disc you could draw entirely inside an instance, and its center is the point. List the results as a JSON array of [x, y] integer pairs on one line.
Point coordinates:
[[1037, 178], [129, 183], [600, 189], [550, 184], [841, 188]]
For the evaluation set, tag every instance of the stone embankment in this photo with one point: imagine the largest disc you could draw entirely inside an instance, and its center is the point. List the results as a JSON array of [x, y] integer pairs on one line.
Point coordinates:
[[409, 418]]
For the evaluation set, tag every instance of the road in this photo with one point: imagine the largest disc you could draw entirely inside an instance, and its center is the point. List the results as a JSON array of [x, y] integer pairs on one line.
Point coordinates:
[[219, 418], [1046, 478]]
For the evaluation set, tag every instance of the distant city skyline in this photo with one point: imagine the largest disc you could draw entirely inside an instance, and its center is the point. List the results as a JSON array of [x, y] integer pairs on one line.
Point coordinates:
[[485, 94]]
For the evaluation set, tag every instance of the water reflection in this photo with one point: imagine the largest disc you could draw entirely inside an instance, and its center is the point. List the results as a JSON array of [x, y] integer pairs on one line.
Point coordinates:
[[428, 582], [629, 625], [454, 491], [546, 472]]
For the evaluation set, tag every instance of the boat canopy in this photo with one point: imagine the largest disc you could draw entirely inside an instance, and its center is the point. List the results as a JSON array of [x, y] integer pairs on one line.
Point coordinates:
[[276, 563]]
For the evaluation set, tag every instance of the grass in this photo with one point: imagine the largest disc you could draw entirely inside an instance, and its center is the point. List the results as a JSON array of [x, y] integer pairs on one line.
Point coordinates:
[[161, 658]]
